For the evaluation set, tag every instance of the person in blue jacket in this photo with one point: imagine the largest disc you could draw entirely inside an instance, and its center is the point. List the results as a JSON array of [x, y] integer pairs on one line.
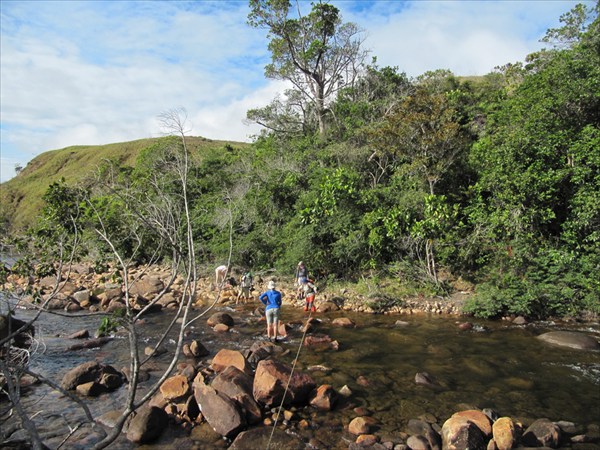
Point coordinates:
[[272, 300]]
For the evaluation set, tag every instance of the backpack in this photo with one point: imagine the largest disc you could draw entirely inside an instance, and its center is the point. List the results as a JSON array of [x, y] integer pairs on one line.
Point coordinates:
[[247, 280]]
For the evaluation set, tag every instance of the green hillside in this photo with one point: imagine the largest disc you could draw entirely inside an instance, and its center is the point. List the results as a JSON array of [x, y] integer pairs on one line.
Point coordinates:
[[21, 197]]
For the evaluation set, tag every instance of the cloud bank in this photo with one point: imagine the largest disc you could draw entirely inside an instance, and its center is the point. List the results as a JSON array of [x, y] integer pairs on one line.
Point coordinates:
[[91, 73]]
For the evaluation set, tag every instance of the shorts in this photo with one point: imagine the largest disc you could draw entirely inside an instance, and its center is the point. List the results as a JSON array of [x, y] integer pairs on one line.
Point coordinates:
[[302, 280], [272, 315], [245, 292]]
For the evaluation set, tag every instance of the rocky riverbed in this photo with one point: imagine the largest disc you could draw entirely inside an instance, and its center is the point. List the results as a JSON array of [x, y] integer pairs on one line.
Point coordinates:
[[233, 396]]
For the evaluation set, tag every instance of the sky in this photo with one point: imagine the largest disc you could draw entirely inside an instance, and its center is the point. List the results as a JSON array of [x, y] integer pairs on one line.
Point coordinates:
[[97, 72]]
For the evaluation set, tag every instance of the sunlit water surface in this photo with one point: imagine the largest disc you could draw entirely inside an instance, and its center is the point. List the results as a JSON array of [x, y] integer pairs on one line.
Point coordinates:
[[495, 365]]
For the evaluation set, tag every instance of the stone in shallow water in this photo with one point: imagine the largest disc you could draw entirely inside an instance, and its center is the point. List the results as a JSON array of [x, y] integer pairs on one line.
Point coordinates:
[[571, 339], [260, 437]]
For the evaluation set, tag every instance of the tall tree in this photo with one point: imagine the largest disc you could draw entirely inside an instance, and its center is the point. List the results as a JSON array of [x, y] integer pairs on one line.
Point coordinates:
[[317, 53]]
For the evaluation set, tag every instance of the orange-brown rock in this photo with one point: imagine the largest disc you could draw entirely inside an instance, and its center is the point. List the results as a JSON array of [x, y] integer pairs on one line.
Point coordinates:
[[359, 425], [225, 358], [324, 398], [175, 387], [505, 433], [478, 418]]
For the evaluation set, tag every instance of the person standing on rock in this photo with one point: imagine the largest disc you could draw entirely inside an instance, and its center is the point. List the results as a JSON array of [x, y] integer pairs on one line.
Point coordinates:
[[272, 300]]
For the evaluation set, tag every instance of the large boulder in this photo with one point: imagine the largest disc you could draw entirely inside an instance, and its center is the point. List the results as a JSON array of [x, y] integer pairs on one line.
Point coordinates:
[[570, 339], [147, 286], [221, 412], [478, 418], [175, 388], [459, 433], [225, 358], [92, 371], [237, 385], [220, 317], [271, 379], [147, 425], [542, 433], [505, 433], [343, 322]]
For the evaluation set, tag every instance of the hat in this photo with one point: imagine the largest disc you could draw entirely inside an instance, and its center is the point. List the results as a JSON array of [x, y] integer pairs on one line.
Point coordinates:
[[300, 263], [271, 285]]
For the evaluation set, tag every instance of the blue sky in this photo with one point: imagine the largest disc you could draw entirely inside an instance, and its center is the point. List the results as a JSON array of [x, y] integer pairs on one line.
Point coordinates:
[[97, 72]]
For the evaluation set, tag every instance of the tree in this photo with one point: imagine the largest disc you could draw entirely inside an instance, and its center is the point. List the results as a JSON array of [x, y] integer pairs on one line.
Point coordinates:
[[423, 136], [317, 53], [158, 199], [538, 179]]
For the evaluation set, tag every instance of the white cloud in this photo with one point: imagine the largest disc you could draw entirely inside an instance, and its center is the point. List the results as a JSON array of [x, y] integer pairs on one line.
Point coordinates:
[[82, 73]]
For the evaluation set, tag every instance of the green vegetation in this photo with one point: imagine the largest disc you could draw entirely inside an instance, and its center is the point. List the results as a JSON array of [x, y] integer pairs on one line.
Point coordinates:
[[21, 200], [495, 179]]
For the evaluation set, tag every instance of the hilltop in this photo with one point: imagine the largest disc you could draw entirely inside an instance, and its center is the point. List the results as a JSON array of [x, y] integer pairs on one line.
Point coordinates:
[[21, 198]]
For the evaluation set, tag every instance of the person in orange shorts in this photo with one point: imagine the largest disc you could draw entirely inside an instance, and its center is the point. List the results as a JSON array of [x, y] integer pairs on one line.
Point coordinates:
[[310, 292]]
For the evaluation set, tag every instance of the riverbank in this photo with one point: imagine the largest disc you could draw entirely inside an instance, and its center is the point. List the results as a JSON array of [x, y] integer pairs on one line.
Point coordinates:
[[82, 288]]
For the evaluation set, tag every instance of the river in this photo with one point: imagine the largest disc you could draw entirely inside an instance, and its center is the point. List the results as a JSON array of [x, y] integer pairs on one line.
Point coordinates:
[[495, 365]]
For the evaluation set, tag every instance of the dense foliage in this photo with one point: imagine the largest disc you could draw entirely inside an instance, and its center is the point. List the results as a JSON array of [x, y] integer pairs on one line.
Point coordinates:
[[495, 179]]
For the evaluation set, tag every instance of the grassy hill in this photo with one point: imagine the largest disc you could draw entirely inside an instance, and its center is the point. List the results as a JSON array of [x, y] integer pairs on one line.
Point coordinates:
[[21, 197]]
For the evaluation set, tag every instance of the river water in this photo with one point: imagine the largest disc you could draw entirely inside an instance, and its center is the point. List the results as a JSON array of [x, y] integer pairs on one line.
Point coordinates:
[[495, 365]]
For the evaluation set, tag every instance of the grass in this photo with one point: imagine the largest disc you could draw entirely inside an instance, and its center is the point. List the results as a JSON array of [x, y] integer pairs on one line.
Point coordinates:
[[21, 197]]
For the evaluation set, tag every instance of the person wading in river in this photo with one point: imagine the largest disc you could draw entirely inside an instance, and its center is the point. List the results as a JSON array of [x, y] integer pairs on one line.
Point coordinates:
[[272, 300], [310, 291]]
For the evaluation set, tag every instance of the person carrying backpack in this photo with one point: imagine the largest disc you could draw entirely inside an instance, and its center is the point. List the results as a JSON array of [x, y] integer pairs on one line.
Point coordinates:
[[246, 285]]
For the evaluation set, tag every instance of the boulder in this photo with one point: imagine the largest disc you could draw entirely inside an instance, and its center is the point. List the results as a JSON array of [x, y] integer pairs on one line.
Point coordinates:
[[82, 297], [542, 433], [271, 379], [84, 373], [320, 342], [418, 442], [197, 349], [225, 358], [504, 432], [424, 430], [570, 339], [327, 306], [220, 317], [175, 388], [221, 328], [359, 425], [459, 433], [147, 425], [366, 440], [237, 385], [147, 286], [222, 413], [478, 418], [90, 389], [344, 322], [324, 398]]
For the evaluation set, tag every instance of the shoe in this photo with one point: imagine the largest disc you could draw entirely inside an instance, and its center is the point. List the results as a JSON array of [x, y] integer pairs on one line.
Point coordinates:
[[276, 340]]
